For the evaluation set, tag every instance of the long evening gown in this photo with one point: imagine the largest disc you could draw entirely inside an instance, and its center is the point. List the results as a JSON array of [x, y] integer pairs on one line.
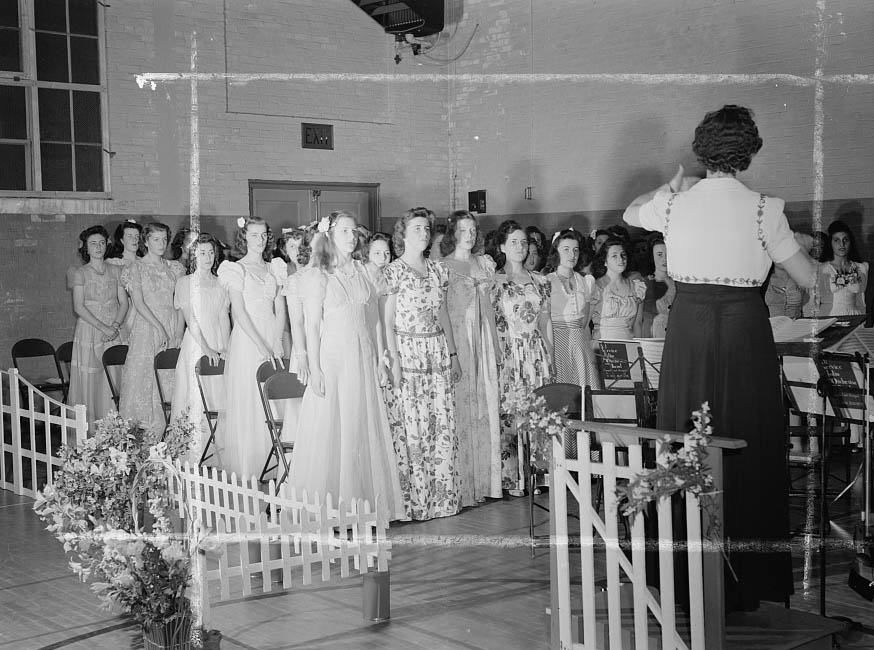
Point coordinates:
[[243, 439], [477, 402], [139, 391], [208, 303], [344, 446], [524, 359], [88, 383], [425, 436]]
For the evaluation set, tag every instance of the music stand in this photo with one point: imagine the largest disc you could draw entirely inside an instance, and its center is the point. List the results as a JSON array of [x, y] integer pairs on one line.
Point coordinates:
[[838, 391]]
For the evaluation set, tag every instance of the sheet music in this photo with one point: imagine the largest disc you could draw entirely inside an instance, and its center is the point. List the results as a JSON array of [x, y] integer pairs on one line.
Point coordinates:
[[861, 340], [787, 330], [652, 353]]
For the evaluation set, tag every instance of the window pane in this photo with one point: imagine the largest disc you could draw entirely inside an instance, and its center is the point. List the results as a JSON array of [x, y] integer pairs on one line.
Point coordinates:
[[13, 171], [83, 17], [86, 117], [51, 15], [57, 167], [54, 115], [13, 113], [10, 50], [51, 57], [9, 13], [84, 60], [89, 169]]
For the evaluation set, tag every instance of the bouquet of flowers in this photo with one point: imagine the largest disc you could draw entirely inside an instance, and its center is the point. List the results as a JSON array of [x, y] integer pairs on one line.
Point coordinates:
[[92, 510], [846, 278], [542, 423]]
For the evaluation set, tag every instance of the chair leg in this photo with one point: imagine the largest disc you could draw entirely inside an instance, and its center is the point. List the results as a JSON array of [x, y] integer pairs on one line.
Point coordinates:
[[267, 466]]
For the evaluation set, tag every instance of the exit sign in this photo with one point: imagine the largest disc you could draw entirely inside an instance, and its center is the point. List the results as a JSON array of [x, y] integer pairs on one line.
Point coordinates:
[[316, 136]]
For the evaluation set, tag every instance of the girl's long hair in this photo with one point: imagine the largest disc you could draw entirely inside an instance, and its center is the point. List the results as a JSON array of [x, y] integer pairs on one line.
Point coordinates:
[[324, 251]]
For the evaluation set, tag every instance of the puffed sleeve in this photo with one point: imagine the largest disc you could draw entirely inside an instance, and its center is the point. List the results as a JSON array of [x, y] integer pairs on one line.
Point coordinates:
[[280, 271], [78, 277], [391, 277], [488, 264], [653, 213], [639, 289], [230, 276], [778, 239], [126, 276], [543, 285], [591, 288], [313, 287], [182, 295], [176, 268], [442, 274]]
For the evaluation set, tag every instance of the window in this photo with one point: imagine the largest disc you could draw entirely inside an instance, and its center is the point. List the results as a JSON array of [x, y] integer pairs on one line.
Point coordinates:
[[52, 97]]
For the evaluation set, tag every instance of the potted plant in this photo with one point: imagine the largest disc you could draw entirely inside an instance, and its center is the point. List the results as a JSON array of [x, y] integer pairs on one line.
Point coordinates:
[[93, 509]]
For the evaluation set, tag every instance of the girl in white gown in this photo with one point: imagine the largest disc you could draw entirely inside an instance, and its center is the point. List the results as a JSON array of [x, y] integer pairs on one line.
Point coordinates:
[[204, 304], [344, 446], [257, 305]]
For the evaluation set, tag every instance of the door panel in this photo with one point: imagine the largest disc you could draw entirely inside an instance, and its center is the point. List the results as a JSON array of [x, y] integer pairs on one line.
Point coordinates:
[[358, 203], [297, 204], [283, 207]]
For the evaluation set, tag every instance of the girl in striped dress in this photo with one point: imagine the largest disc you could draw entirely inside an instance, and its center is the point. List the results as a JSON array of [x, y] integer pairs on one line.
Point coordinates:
[[573, 295]]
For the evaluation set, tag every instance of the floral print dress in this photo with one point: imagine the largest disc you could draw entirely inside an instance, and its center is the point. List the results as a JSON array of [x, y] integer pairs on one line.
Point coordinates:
[[424, 433], [524, 358]]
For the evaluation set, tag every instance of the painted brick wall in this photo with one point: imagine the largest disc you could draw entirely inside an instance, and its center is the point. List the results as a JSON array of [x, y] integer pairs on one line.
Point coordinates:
[[388, 132], [592, 145]]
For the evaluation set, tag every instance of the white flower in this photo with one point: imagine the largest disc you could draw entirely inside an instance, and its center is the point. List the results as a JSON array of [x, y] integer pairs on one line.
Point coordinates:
[[325, 224]]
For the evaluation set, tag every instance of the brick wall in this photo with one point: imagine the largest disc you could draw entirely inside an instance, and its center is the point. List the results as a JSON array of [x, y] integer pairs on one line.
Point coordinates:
[[585, 147], [589, 145]]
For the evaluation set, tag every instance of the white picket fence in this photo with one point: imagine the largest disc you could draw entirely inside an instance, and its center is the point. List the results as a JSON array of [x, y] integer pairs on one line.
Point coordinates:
[[33, 426], [629, 613], [269, 540]]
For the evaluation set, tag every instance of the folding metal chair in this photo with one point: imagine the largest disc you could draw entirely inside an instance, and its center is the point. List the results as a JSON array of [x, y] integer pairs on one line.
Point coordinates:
[[165, 360], [276, 383], [557, 396], [205, 369], [65, 357], [46, 375], [113, 361]]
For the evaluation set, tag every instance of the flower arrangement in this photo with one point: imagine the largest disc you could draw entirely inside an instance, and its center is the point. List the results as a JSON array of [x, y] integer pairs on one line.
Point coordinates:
[[92, 510], [684, 470], [542, 423], [846, 278]]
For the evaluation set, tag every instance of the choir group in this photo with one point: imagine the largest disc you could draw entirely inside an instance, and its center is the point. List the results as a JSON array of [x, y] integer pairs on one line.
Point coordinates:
[[409, 343]]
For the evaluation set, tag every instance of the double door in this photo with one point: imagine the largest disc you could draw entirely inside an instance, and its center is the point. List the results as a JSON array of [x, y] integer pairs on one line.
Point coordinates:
[[290, 204]]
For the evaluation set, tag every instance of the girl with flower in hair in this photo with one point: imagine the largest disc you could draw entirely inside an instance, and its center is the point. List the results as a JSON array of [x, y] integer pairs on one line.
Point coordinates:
[[253, 284], [343, 445]]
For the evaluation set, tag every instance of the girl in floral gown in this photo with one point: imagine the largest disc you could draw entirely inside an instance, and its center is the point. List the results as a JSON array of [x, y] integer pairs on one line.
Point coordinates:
[[100, 302], [618, 314], [204, 304], [344, 446], [477, 412], [253, 284], [150, 281], [845, 274], [572, 297], [424, 366], [521, 300]]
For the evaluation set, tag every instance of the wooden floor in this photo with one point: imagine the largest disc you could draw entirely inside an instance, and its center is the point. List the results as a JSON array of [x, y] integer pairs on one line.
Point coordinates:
[[467, 582]]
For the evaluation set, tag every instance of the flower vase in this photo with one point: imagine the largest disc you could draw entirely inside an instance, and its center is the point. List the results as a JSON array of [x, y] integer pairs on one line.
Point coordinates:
[[171, 635]]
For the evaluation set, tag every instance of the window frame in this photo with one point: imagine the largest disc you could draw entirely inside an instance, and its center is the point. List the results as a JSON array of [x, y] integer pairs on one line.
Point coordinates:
[[27, 78]]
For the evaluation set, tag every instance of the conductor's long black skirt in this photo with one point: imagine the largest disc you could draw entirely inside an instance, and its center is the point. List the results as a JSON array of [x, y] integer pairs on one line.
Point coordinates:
[[719, 348]]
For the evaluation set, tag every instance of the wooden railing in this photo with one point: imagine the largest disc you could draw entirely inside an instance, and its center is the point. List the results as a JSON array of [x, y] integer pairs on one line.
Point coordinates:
[[33, 426], [633, 614]]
